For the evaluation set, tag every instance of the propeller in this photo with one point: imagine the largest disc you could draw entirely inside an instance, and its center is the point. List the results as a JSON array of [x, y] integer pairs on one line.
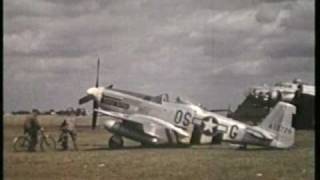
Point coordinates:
[[95, 103], [98, 69], [91, 96], [86, 99]]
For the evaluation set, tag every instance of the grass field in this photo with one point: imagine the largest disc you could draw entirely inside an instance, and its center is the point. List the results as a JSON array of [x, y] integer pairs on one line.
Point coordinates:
[[95, 161]]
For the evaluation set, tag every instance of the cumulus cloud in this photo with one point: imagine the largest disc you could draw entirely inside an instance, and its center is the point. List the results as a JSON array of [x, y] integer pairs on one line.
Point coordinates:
[[211, 51]]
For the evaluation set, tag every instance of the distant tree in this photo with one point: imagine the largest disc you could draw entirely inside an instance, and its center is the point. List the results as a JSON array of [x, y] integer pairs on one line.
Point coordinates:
[[36, 110], [52, 111], [20, 112], [61, 112], [80, 111], [84, 112], [49, 112]]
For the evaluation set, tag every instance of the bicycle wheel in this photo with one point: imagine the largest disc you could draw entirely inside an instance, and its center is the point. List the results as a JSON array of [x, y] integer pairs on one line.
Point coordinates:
[[47, 143], [21, 143], [64, 142]]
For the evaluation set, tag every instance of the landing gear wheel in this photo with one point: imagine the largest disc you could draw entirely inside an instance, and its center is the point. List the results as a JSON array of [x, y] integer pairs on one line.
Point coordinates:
[[115, 142]]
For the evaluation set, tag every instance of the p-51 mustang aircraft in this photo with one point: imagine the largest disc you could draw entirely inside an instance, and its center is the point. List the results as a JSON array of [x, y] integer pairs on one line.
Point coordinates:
[[154, 120]]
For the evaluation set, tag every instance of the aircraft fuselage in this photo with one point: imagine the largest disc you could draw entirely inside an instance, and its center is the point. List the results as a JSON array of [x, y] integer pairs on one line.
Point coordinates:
[[184, 115]]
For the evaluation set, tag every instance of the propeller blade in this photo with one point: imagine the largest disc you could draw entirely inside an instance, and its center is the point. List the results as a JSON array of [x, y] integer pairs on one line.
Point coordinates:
[[98, 69], [85, 99], [94, 115]]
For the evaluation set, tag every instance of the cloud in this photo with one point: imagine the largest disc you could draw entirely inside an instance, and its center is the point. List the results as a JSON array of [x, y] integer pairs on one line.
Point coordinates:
[[267, 13], [207, 50], [54, 9]]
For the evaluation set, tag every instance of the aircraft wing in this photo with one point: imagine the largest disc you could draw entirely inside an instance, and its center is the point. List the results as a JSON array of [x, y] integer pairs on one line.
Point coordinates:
[[144, 118], [308, 89]]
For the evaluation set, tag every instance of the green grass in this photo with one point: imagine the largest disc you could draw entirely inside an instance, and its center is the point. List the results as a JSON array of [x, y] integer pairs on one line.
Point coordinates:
[[95, 161]]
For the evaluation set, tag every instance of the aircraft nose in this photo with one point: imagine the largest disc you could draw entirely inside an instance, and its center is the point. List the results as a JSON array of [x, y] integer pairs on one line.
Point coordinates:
[[109, 124], [96, 92], [92, 91]]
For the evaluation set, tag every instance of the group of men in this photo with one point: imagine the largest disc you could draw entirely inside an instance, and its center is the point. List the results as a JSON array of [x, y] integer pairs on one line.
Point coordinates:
[[32, 127]]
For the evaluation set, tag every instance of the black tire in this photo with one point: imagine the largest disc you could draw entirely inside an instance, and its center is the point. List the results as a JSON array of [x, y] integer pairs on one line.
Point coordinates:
[[64, 146], [242, 147], [64, 143], [48, 143], [21, 144], [115, 142]]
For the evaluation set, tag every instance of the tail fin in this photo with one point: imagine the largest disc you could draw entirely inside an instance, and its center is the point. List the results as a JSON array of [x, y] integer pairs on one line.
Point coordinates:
[[279, 122]]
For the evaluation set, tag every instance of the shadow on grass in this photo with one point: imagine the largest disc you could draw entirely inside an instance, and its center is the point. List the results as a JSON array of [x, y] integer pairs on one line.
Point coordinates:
[[138, 147], [187, 147]]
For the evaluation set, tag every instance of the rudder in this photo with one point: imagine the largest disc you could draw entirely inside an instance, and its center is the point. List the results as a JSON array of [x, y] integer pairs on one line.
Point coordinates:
[[279, 122]]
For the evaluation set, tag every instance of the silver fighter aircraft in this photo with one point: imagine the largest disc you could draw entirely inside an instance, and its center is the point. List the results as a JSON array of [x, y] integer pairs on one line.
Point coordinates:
[[155, 121]]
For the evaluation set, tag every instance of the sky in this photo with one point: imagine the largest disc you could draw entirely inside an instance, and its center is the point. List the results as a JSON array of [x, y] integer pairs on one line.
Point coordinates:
[[207, 51]]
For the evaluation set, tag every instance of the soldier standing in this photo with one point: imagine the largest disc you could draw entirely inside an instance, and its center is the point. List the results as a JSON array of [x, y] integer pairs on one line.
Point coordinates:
[[68, 126], [31, 127]]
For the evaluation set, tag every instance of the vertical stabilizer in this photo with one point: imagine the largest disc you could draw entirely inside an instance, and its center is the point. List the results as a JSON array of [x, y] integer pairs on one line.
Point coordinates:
[[279, 123]]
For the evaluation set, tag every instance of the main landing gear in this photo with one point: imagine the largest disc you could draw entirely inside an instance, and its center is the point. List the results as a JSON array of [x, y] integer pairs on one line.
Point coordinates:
[[115, 142]]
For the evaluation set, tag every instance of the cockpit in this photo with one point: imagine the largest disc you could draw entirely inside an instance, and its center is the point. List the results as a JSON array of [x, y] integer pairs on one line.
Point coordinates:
[[165, 98], [158, 99], [182, 101]]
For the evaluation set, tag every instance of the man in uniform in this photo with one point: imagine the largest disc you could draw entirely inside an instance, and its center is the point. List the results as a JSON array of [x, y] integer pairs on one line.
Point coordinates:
[[32, 127], [69, 126]]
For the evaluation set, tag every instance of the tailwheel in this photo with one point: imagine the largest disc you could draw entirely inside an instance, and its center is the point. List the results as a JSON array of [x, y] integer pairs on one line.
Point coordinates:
[[116, 142], [242, 147]]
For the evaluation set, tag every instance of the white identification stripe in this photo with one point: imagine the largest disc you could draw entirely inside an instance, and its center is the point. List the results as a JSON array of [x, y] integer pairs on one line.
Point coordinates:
[[222, 128]]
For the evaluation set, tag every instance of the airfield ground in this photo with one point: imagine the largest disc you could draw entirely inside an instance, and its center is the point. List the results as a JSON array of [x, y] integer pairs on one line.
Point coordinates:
[[95, 161]]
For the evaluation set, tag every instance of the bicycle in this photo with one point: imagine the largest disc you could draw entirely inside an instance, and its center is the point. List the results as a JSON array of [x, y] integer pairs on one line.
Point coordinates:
[[46, 141]]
